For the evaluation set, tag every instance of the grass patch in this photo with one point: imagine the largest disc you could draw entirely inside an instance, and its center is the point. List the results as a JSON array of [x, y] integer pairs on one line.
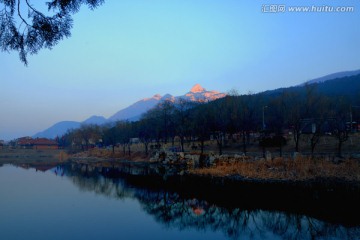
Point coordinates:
[[109, 154], [301, 168]]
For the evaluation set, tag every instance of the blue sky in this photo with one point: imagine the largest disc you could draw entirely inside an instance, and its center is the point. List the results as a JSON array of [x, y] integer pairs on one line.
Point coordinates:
[[131, 49]]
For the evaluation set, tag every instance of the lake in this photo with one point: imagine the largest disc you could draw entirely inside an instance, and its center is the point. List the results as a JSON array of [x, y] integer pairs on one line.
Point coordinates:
[[78, 202]]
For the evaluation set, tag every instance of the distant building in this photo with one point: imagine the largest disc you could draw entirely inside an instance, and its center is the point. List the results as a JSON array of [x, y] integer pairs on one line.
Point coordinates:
[[37, 143], [24, 142], [44, 143], [134, 140]]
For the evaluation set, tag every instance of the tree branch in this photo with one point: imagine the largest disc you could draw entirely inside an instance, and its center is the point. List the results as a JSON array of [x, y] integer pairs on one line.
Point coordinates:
[[19, 14]]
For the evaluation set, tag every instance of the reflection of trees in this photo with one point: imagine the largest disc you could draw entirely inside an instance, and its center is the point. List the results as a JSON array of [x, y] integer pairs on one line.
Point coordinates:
[[292, 226], [174, 211], [91, 180]]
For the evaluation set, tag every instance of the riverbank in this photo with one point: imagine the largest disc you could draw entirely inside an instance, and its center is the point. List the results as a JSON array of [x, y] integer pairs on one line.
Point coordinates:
[[269, 169], [39, 159], [301, 168], [295, 168]]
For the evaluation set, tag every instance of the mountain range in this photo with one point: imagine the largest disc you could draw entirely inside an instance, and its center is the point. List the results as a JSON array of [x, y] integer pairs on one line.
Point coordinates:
[[346, 82], [133, 112]]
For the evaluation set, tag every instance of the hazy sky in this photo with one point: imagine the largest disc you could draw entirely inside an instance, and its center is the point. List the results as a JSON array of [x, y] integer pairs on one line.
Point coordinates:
[[127, 50]]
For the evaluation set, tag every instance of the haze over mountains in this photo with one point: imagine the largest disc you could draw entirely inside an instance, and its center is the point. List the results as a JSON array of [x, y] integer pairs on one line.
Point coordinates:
[[134, 111]]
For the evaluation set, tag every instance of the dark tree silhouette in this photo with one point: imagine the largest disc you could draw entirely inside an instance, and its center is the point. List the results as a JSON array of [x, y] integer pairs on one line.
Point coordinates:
[[340, 117], [201, 124], [110, 136], [25, 29], [182, 119]]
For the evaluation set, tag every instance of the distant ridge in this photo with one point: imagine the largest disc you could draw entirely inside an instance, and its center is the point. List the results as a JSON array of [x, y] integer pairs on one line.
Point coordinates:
[[332, 77], [133, 112], [60, 128], [196, 94]]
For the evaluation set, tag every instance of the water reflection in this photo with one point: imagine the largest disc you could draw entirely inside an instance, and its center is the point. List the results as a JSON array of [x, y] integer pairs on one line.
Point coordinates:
[[175, 209]]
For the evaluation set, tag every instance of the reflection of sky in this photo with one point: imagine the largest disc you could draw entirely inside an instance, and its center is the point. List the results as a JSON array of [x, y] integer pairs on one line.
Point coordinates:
[[127, 50], [42, 206]]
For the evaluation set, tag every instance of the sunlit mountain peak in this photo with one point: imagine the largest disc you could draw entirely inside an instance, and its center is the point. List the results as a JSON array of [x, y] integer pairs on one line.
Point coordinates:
[[197, 88]]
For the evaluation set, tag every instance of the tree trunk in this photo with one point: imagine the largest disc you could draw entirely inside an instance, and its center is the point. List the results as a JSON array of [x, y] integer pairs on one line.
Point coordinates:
[[219, 141], [220, 148], [312, 149], [340, 148], [296, 140], [263, 150], [219, 144], [182, 143], [202, 146], [146, 144], [244, 143]]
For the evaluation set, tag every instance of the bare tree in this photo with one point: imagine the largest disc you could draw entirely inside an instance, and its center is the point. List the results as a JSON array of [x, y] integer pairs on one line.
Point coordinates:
[[123, 129], [339, 117], [219, 121], [182, 119], [164, 114], [89, 134], [146, 131], [201, 124], [110, 136], [321, 113]]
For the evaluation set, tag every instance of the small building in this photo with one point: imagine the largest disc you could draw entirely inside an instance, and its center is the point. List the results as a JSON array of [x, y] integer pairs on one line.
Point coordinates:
[[24, 142], [44, 143], [37, 143]]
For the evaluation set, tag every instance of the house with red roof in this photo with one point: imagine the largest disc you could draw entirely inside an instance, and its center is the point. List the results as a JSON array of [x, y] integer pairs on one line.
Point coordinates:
[[37, 143]]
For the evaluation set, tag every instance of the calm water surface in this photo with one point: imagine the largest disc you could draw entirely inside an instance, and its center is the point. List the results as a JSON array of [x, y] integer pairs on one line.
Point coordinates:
[[69, 203]]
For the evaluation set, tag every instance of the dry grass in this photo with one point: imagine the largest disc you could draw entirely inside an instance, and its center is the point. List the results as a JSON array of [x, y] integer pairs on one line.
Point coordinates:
[[301, 168], [109, 154]]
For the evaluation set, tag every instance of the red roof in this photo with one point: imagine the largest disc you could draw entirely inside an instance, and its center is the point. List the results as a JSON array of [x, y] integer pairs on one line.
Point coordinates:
[[37, 141], [24, 141], [44, 141]]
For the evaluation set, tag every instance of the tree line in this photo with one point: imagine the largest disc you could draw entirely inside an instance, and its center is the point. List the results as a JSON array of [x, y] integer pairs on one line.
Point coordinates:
[[267, 116]]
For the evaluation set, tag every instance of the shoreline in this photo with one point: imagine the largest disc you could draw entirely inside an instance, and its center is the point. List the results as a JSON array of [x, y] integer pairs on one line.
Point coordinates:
[[335, 200], [295, 168], [300, 170]]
